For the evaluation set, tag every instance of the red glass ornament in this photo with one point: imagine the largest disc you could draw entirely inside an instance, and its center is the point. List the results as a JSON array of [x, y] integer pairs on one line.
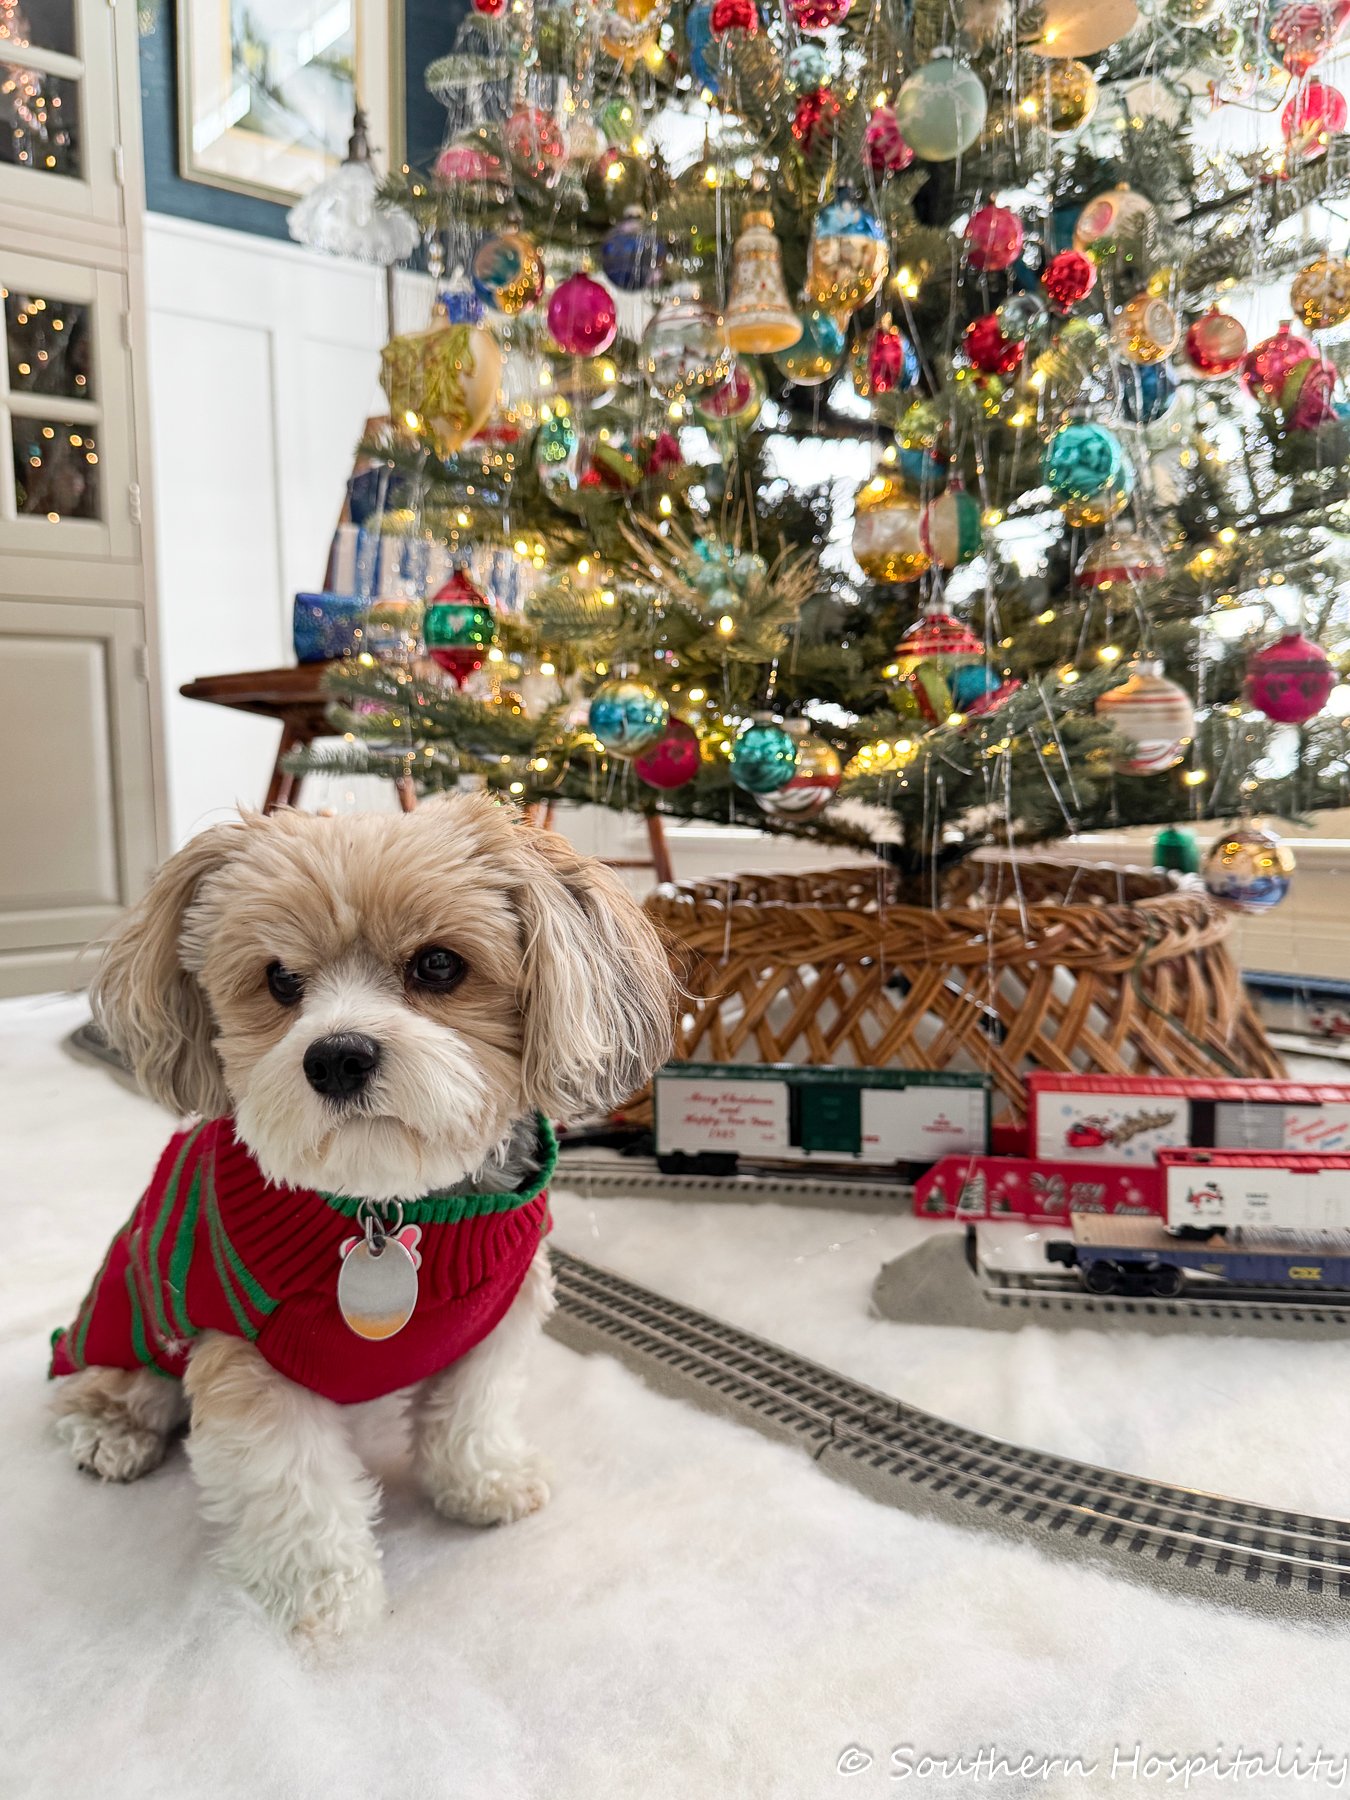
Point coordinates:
[[581, 316], [884, 144], [989, 351], [1291, 680], [818, 15], [534, 142], [672, 761], [1302, 32], [1068, 278], [1266, 368], [994, 238], [814, 120], [489, 8], [734, 15], [664, 454], [1216, 343], [1315, 114], [886, 359]]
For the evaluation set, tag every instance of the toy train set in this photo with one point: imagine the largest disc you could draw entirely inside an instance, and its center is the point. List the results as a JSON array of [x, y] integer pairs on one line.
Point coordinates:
[[1160, 1182]]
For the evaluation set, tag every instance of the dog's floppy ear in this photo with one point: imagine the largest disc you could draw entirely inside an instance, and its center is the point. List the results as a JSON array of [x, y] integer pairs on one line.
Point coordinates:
[[596, 991], [149, 1005]]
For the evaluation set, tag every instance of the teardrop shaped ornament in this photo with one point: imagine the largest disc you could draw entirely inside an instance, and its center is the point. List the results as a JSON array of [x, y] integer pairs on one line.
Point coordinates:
[[377, 1284]]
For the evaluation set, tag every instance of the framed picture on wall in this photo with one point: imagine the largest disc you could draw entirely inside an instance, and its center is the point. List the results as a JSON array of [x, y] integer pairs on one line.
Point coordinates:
[[267, 88]]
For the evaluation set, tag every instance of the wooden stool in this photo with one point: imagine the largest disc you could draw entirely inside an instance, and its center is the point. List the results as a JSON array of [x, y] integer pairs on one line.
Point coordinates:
[[296, 697]]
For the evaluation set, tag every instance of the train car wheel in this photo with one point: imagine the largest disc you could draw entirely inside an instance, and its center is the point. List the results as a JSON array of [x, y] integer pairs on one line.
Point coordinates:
[[1165, 1281], [1101, 1278]]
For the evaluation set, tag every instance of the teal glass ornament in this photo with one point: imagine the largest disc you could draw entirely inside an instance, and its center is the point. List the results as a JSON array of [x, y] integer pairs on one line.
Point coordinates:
[[763, 758], [1082, 460], [970, 683], [1175, 848], [941, 108], [818, 352], [626, 715]]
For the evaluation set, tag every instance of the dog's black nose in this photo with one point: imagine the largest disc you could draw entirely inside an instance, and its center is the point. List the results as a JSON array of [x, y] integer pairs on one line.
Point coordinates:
[[342, 1064]]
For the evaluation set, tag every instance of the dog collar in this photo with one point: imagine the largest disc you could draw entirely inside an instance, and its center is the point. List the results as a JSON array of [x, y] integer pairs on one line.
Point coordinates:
[[450, 1209]]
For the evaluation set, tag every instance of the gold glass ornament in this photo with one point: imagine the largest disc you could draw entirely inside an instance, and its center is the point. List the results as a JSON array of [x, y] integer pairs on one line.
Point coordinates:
[[1320, 293], [445, 378], [887, 531], [759, 319], [1099, 509], [1068, 97], [848, 257], [629, 41], [1146, 330]]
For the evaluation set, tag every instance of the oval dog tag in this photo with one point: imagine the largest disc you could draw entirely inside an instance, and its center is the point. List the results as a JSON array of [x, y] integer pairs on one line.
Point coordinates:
[[377, 1286]]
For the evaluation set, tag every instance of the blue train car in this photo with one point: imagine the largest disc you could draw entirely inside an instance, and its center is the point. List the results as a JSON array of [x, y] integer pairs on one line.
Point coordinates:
[[1115, 1255]]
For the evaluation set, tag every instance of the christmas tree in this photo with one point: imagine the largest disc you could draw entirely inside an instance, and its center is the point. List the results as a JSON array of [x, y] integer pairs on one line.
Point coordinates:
[[874, 422]]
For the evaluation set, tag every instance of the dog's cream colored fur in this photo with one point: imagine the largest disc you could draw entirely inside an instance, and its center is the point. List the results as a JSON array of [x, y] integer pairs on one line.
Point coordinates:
[[565, 1009]]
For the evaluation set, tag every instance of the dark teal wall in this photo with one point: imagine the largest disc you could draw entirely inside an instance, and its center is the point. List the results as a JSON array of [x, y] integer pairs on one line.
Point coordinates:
[[429, 27]]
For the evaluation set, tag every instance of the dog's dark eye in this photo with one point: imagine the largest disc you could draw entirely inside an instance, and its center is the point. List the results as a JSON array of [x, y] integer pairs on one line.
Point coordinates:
[[285, 986], [437, 968]]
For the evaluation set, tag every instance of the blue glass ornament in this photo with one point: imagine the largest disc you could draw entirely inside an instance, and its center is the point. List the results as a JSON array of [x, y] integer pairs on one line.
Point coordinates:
[[763, 758], [922, 470], [698, 35], [1081, 460], [1147, 390], [632, 255], [971, 683], [818, 352], [626, 715]]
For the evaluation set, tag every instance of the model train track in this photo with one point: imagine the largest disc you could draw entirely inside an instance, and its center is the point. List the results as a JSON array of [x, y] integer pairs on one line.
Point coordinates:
[[1225, 1548], [1230, 1302], [638, 1177]]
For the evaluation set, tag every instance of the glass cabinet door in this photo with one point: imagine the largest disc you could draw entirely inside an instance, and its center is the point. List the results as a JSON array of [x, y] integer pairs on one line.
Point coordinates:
[[65, 470], [57, 112]]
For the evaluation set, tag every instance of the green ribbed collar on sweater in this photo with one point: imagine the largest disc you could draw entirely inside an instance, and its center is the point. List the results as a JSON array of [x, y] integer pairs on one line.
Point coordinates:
[[449, 1209]]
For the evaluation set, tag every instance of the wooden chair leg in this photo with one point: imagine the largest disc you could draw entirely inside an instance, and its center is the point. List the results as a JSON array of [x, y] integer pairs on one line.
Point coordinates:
[[283, 789], [656, 837]]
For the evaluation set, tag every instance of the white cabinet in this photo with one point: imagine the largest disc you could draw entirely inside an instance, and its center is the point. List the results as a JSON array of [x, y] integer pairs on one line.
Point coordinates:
[[80, 808]]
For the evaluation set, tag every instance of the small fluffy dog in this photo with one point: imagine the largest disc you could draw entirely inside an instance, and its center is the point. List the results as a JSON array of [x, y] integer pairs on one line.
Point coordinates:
[[375, 1018]]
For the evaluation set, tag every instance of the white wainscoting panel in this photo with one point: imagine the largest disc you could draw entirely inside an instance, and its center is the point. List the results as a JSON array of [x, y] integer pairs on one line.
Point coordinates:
[[263, 363]]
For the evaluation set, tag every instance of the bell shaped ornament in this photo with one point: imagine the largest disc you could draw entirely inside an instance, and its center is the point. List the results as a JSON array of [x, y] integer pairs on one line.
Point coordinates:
[[759, 318]]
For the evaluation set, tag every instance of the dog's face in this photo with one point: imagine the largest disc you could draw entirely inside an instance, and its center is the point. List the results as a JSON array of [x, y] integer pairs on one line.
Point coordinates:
[[378, 999]]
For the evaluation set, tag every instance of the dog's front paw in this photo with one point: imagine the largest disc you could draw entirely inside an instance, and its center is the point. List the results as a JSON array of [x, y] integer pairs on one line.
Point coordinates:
[[111, 1447], [333, 1603], [495, 1492]]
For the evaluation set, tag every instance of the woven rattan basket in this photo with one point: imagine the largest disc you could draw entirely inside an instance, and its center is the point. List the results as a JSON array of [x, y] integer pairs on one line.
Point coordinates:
[[1029, 966]]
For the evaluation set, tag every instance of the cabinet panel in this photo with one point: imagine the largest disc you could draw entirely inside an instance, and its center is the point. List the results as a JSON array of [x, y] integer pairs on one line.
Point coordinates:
[[76, 816]]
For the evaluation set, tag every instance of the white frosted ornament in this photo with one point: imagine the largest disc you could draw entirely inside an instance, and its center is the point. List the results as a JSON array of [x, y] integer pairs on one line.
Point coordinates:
[[1154, 714], [340, 215], [941, 108]]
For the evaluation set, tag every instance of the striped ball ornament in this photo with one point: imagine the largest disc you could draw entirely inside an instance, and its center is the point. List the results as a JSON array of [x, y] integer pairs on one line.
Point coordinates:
[[1153, 714]]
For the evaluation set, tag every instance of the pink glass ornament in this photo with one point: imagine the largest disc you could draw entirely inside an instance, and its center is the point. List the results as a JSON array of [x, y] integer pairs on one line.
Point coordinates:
[[1302, 32], [581, 316], [534, 142], [672, 760], [884, 145], [1266, 368], [1290, 680], [1314, 116], [994, 238]]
